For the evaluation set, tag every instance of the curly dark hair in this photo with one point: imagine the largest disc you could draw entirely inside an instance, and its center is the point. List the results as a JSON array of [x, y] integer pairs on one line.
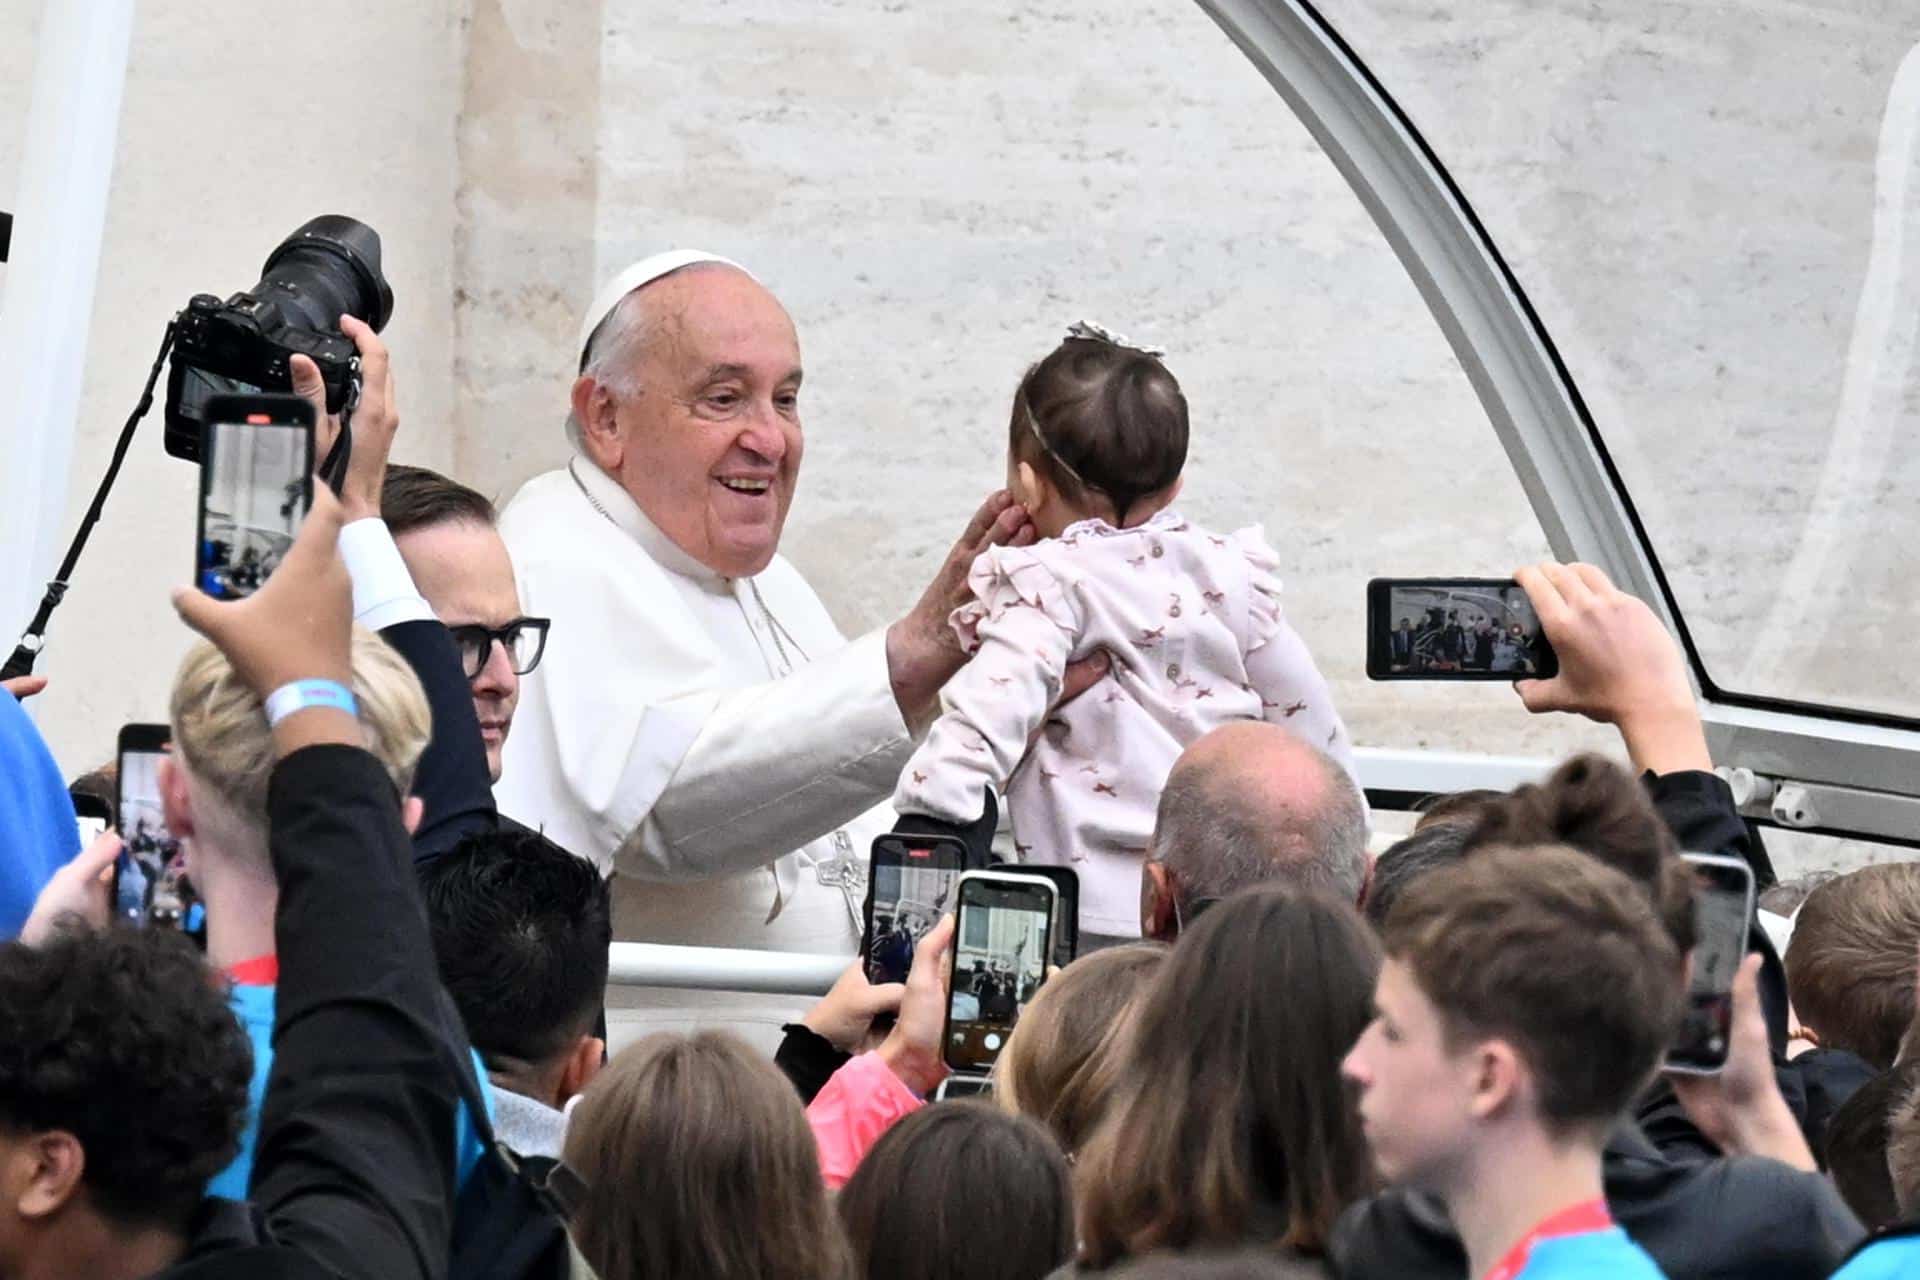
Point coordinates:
[[124, 1039]]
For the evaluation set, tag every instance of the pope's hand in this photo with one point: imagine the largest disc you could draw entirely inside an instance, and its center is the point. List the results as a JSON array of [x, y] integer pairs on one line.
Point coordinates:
[[923, 653]]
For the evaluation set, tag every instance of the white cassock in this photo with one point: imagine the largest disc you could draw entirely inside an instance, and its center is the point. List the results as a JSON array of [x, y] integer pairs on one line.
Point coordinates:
[[715, 741]]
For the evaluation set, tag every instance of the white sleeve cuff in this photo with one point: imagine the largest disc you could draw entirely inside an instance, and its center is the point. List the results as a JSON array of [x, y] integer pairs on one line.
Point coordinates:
[[383, 590]]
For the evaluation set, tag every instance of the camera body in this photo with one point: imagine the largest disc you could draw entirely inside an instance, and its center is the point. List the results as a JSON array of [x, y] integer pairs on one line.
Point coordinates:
[[328, 268], [240, 346]]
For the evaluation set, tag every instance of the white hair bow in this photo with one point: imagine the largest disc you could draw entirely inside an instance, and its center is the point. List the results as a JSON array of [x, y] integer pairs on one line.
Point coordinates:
[[1088, 331]]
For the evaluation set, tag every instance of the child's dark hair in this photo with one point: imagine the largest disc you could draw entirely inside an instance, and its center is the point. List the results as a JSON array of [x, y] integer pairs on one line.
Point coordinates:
[[1098, 415]]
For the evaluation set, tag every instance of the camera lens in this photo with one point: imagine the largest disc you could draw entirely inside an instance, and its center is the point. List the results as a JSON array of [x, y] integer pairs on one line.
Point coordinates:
[[328, 268]]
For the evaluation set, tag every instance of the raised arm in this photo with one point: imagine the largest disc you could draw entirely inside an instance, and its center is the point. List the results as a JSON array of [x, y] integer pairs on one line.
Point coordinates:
[[355, 1161], [451, 778]]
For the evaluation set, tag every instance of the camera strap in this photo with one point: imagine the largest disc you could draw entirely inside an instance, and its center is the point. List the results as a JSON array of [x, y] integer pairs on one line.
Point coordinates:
[[334, 469], [32, 640]]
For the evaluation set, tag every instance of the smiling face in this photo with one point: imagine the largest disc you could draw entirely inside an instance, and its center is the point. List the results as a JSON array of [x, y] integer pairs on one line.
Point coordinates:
[[1416, 1096], [709, 444]]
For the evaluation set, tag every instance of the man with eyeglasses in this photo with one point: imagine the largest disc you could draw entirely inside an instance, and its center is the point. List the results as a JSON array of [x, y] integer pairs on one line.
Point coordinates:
[[446, 537], [432, 576]]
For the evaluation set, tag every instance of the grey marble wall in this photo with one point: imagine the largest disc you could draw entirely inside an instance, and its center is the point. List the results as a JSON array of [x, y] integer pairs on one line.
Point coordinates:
[[1691, 193]]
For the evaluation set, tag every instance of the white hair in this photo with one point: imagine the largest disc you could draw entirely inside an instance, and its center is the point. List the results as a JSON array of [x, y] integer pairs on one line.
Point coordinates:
[[614, 349]]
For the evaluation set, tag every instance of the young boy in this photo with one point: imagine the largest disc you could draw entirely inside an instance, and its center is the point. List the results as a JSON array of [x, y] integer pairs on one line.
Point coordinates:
[[1527, 996]]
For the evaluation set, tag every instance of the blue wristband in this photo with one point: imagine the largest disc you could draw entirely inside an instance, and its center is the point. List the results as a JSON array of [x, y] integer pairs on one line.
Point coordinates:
[[302, 694]]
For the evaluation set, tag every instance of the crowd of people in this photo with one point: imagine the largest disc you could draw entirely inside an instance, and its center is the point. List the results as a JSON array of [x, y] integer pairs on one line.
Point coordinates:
[[415, 815]]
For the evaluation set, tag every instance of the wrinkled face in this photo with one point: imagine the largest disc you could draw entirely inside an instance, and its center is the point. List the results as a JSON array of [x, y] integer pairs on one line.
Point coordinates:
[[1414, 1094], [710, 445], [463, 571]]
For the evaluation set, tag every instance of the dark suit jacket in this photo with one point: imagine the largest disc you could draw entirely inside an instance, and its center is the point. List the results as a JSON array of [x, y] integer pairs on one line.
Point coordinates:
[[451, 779], [353, 1175]]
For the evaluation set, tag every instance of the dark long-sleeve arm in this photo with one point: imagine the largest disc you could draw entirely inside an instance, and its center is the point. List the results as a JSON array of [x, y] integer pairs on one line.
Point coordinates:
[[451, 779], [355, 1164]]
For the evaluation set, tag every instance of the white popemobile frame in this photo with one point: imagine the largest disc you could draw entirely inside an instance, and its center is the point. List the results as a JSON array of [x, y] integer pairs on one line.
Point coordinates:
[[1791, 765]]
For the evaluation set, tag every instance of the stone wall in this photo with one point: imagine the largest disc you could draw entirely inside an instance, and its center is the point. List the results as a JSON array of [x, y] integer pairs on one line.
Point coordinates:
[[934, 191]]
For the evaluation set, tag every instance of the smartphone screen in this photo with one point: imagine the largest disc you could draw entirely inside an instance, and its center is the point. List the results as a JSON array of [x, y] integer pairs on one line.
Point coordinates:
[[910, 886], [1066, 910], [1454, 629], [1002, 945], [149, 881], [256, 483], [1723, 915]]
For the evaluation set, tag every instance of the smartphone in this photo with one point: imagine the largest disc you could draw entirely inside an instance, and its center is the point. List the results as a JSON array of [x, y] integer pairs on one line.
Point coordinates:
[[150, 888], [1066, 912], [256, 483], [92, 814], [1454, 629], [1003, 940], [1722, 915], [956, 1087], [910, 885]]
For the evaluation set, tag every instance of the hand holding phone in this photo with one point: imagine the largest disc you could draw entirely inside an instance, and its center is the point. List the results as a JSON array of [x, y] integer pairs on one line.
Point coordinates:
[[82, 890], [1723, 920], [912, 1047], [256, 486], [1455, 629]]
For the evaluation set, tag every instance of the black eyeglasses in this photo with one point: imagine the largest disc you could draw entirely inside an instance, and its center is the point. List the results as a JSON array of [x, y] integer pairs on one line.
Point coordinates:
[[524, 639]]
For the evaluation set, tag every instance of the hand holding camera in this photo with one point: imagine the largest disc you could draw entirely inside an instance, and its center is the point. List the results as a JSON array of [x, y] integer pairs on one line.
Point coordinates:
[[375, 419]]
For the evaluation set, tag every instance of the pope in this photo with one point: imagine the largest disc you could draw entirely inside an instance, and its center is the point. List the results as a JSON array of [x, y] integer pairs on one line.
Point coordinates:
[[699, 726]]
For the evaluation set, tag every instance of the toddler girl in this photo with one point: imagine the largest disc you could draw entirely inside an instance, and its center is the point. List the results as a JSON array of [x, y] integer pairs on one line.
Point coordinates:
[[1190, 619]]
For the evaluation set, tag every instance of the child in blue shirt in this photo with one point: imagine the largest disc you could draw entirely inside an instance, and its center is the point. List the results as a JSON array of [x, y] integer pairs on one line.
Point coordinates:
[[1526, 997]]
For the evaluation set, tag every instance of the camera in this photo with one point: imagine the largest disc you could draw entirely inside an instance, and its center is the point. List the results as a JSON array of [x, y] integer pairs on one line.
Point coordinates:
[[329, 267]]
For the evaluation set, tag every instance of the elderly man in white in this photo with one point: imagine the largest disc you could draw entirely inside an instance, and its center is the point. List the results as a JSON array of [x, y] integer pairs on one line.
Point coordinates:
[[698, 723]]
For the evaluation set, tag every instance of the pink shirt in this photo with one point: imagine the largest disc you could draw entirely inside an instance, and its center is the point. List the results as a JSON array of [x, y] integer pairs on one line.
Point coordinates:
[[861, 1101], [1192, 622]]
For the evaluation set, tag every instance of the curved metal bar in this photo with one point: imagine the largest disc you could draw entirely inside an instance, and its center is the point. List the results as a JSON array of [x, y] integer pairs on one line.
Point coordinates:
[[779, 973], [1487, 320], [1530, 397]]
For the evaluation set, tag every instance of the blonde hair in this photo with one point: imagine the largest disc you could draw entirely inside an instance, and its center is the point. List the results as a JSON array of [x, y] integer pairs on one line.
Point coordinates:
[[1061, 1062], [699, 1165], [220, 728]]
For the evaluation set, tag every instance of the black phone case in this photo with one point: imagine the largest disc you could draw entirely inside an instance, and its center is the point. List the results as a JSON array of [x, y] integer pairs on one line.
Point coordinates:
[[1379, 641], [953, 843]]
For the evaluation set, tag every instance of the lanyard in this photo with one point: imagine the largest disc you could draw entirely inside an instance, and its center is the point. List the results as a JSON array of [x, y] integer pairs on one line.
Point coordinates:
[[261, 971], [1580, 1219]]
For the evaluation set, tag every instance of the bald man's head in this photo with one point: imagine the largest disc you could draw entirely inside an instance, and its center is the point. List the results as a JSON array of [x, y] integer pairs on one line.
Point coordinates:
[[1249, 804]]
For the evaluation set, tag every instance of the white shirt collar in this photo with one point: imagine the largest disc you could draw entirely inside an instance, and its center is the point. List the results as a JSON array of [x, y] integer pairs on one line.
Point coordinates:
[[604, 493]]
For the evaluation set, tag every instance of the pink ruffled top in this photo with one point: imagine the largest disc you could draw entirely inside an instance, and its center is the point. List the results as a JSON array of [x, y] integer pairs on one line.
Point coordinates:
[[1193, 623]]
